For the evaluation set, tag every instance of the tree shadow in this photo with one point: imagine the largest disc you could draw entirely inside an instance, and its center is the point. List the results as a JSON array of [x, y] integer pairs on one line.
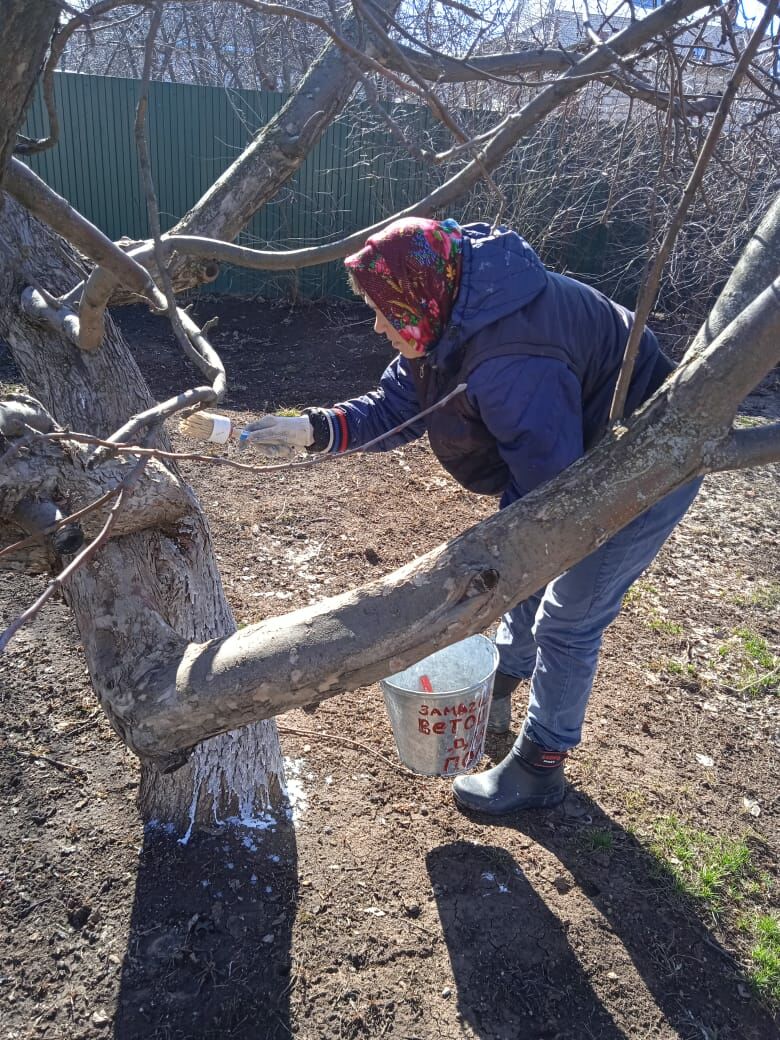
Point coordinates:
[[209, 949], [696, 985]]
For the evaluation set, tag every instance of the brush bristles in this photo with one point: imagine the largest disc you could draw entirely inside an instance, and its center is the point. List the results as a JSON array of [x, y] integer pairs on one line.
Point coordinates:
[[199, 426]]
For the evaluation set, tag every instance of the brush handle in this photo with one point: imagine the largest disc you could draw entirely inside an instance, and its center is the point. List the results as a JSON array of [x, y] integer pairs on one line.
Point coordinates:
[[221, 430]]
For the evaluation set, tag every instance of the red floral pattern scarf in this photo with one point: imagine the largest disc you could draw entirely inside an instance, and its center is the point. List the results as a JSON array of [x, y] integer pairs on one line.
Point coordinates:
[[411, 272]]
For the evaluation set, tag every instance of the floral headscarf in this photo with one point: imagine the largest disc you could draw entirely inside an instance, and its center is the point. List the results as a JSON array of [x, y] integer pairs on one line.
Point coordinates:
[[411, 271]]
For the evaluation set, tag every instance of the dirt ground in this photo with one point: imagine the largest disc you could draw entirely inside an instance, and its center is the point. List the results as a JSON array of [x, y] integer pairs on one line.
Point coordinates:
[[383, 911]]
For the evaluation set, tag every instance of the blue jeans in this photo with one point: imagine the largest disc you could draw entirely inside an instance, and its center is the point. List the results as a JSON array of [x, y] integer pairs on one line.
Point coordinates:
[[554, 637]]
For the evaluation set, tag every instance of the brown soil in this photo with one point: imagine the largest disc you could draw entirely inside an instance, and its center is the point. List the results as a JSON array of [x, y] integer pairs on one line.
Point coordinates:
[[385, 912]]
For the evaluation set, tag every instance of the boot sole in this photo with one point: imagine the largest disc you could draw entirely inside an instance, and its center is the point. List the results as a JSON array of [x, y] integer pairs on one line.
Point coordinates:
[[539, 801]]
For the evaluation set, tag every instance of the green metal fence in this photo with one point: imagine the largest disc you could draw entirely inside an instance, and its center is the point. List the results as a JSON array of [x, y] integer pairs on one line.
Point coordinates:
[[356, 175], [349, 180]]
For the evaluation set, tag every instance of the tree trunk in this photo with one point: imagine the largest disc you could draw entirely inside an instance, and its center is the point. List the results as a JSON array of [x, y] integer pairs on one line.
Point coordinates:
[[25, 31], [149, 591]]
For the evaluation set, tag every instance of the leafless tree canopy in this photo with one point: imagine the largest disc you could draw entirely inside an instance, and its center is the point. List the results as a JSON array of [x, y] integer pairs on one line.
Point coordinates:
[[595, 182], [634, 147]]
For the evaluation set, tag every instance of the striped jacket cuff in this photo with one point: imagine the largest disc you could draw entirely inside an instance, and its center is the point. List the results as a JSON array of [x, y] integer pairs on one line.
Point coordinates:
[[330, 429]]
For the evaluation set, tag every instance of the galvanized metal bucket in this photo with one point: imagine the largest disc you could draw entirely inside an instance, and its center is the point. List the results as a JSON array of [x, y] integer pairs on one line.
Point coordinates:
[[439, 707]]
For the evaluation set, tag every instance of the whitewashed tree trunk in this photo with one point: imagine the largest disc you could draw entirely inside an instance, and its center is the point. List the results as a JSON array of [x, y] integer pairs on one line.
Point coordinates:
[[149, 589]]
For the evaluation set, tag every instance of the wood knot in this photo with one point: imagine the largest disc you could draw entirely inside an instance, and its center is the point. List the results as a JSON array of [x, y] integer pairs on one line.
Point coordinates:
[[485, 581]]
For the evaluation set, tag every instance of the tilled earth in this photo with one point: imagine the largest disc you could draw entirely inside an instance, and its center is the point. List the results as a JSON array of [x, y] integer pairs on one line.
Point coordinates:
[[385, 912]]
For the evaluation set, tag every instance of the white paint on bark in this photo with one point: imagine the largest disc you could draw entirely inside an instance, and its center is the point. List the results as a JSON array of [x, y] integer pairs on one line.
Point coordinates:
[[237, 770]]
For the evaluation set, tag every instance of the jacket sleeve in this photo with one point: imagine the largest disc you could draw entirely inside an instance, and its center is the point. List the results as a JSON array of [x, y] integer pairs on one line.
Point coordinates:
[[351, 424], [533, 407]]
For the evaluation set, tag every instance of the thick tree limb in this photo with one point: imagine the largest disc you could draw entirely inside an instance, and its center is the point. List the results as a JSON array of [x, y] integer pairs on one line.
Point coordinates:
[[52, 471], [757, 446], [443, 68], [44, 310], [86, 553], [650, 283], [36, 196], [756, 268], [26, 29], [460, 587]]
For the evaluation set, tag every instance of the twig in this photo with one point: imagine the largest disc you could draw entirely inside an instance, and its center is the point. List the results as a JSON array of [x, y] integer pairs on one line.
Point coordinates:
[[215, 372], [34, 145], [321, 735], [759, 679], [741, 448], [56, 762], [650, 284], [152, 417], [219, 460], [86, 553], [435, 104]]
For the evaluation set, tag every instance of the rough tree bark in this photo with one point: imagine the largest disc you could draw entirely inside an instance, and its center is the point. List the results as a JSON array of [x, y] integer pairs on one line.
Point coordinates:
[[159, 638], [146, 588], [25, 39], [237, 774]]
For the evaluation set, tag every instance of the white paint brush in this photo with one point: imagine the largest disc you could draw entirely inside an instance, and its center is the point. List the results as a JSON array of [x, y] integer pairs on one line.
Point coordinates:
[[208, 426]]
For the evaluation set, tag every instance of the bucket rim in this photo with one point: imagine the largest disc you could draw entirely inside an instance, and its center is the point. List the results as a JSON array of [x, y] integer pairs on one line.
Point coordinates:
[[390, 687]]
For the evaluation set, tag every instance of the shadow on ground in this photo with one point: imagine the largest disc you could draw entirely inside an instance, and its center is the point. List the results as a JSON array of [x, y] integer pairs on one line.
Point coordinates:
[[513, 957], [209, 950]]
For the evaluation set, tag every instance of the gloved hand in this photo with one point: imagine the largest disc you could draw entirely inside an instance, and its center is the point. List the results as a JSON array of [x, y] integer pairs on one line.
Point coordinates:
[[278, 436]]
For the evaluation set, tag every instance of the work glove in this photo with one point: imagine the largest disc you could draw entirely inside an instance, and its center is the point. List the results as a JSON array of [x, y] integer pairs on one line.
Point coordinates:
[[278, 436]]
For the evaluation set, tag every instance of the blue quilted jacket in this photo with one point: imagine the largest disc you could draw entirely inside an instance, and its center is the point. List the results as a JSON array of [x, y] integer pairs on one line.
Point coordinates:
[[540, 354]]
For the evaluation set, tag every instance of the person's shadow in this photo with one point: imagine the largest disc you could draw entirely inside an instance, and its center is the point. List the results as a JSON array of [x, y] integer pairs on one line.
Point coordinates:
[[209, 949], [523, 971], [515, 971]]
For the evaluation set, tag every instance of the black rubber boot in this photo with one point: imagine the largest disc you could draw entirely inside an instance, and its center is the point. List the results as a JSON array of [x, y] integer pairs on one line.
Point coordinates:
[[500, 716], [530, 777]]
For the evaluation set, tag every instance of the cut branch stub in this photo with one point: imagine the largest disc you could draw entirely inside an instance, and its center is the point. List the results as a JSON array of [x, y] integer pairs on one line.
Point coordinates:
[[39, 476], [35, 516]]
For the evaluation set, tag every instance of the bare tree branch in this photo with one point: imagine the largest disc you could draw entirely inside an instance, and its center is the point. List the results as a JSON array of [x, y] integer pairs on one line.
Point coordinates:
[[36, 196], [758, 265], [756, 446], [649, 288], [41, 308]]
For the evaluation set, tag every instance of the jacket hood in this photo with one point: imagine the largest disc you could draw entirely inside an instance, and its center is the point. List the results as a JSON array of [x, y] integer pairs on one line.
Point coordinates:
[[500, 273]]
